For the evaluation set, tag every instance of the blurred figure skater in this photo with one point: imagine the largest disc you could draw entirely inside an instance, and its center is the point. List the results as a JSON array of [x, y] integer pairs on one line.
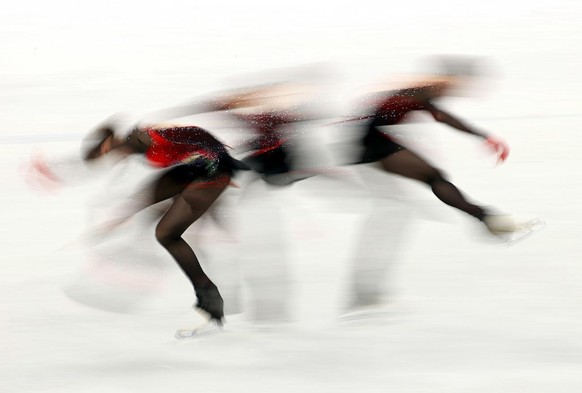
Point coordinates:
[[194, 170], [124, 272], [381, 150], [199, 170], [391, 109], [272, 117]]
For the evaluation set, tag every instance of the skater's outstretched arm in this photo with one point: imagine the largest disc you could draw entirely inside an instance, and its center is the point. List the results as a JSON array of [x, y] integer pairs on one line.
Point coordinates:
[[495, 143], [450, 120]]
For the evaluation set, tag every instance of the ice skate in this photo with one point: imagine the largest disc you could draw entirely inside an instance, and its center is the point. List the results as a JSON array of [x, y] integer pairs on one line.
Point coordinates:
[[208, 327], [380, 312], [211, 303], [511, 229], [210, 306]]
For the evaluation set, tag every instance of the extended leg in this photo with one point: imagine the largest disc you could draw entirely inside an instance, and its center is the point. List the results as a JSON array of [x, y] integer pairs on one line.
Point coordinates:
[[408, 164]]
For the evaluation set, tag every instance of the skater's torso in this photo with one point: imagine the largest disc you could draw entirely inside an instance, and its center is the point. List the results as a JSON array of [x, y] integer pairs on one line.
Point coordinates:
[[270, 143], [394, 107], [267, 127], [166, 146], [390, 109]]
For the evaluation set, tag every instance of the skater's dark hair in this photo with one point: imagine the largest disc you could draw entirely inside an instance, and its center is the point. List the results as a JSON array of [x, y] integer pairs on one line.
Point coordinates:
[[455, 65], [91, 146]]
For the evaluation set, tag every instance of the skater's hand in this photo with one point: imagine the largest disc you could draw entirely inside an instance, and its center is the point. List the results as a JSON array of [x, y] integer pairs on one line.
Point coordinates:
[[499, 147], [39, 174]]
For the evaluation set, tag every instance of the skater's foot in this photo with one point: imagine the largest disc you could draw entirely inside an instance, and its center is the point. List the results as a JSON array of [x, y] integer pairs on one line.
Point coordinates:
[[210, 327], [510, 228], [210, 301], [365, 300], [500, 225]]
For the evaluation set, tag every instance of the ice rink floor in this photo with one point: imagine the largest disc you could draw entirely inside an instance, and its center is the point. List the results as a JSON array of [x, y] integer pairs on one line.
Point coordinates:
[[464, 314]]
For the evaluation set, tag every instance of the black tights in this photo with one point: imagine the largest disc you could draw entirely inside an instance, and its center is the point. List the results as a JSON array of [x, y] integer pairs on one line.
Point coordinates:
[[408, 164], [191, 201]]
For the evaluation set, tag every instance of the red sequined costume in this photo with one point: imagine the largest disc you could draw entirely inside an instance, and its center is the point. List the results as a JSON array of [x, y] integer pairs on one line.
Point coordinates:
[[390, 110], [190, 146], [270, 147]]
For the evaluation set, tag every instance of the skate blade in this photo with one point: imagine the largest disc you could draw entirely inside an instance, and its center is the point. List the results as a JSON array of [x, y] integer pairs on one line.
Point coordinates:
[[210, 327], [527, 230], [378, 314]]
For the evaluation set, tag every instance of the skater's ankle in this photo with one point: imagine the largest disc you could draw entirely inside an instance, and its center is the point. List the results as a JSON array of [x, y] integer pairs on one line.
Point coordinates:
[[208, 285], [485, 213]]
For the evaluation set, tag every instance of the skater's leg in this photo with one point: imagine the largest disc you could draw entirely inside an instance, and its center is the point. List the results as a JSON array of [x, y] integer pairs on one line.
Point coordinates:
[[168, 185], [219, 224], [189, 206], [408, 164], [376, 253], [263, 257]]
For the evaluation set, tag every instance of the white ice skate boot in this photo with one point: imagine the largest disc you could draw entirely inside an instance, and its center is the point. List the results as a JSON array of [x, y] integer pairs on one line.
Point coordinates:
[[512, 229]]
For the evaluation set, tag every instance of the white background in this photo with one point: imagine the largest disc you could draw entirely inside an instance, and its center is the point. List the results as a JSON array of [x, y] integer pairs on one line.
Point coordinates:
[[466, 315]]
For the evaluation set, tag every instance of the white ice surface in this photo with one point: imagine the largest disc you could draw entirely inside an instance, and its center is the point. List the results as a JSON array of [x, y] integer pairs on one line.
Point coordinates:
[[465, 314]]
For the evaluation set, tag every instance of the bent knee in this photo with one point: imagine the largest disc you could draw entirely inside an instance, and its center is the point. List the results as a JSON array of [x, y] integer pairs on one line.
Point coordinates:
[[433, 176], [166, 237]]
